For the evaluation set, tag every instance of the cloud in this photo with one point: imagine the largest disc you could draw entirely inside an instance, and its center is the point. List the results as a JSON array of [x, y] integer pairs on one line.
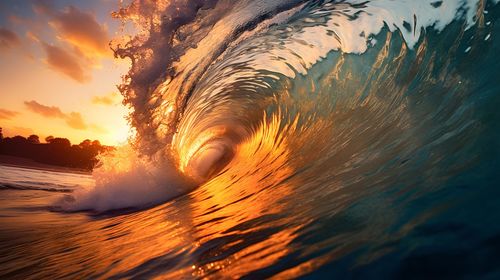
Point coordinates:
[[79, 41], [43, 6], [62, 61], [8, 39], [106, 100], [7, 114], [78, 28], [82, 30], [72, 119], [75, 121], [46, 111]]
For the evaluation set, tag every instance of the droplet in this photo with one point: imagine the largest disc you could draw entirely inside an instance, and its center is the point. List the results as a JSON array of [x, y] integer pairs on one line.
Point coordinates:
[[468, 49], [487, 37]]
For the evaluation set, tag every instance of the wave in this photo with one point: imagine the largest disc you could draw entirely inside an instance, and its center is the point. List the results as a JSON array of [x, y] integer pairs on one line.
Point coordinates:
[[350, 91]]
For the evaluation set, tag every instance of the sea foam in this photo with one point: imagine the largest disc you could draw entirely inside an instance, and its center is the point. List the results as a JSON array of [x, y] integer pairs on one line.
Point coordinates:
[[127, 180]]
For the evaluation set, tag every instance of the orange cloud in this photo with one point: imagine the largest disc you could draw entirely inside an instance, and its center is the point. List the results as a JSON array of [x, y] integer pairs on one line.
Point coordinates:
[[46, 111], [81, 41], [107, 100], [62, 61], [75, 120], [82, 30], [8, 39], [7, 114], [78, 28], [72, 119]]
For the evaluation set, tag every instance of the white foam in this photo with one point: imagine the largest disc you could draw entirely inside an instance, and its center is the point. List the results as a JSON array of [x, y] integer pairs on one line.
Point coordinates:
[[354, 28], [126, 180]]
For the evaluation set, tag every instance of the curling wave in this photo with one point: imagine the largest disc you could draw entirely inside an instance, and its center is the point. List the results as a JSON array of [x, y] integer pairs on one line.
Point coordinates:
[[283, 140], [331, 93]]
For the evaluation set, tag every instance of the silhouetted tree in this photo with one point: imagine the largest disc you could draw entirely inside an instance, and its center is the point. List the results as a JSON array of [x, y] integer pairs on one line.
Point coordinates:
[[18, 140], [49, 138], [63, 142], [57, 150], [34, 139], [86, 143], [1, 135]]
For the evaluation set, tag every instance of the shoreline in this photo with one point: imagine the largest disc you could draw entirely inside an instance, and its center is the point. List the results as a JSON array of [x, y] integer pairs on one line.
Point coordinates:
[[20, 162]]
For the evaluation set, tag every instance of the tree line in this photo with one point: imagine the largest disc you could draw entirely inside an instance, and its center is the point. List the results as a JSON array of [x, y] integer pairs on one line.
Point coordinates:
[[55, 151]]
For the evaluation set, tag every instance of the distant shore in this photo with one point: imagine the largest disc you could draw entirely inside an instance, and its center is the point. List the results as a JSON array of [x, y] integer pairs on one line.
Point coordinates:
[[31, 164]]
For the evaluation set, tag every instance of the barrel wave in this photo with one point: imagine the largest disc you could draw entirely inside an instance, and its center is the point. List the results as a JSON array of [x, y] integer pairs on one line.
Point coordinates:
[[329, 84], [306, 139]]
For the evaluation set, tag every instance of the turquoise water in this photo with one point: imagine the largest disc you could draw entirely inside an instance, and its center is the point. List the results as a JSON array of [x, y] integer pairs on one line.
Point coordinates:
[[287, 140]]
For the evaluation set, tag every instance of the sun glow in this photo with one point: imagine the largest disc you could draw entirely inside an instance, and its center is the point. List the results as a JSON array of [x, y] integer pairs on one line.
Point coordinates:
[[121, 135]]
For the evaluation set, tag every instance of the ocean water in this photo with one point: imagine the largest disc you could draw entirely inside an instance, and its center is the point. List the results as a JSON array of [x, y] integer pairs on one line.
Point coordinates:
[[283, 139]]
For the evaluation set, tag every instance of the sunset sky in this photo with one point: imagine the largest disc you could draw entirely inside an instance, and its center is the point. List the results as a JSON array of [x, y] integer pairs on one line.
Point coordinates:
[[58, 75]]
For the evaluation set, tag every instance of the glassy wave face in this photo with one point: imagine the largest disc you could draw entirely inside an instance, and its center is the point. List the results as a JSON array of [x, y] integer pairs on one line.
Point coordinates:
[[309, 138]]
